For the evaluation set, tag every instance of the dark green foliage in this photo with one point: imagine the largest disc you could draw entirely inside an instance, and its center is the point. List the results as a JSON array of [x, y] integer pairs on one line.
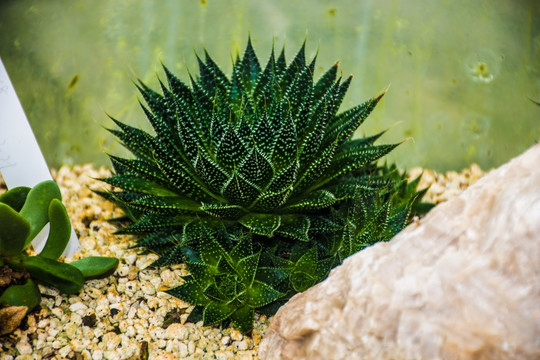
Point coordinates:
[[23, 214], [227, 282], [261, 160]]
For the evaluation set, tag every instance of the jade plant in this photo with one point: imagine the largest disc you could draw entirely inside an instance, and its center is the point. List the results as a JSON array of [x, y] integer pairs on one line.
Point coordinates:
[[255, 182], [23, 214]]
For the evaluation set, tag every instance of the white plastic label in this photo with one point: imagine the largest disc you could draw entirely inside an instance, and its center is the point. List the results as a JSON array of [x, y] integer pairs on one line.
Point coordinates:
[[21, 160]]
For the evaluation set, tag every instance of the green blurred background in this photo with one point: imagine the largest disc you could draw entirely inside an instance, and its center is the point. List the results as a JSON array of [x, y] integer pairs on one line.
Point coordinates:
[[462, 72]]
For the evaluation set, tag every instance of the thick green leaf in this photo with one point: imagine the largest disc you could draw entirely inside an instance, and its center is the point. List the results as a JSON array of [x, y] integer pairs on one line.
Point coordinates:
[[301, 281], [247, 268], [325, 82], [136, 140], [35, 209], [261, 224], [133, 182], [211, 251], [295, 226], [308, 262], [353, 158], [26, 294], [231, 150], [62, 276], [242, 249], [250, 66], [242, 318], [211, 173], [202, 273], [158, 204], [272, 276], [284, 151], [257, 168], [216, 312], [261, 294], [190, 292], [15, 197], [314, 200], [95, 267], [240, 191], [59, 231], [14, 230]]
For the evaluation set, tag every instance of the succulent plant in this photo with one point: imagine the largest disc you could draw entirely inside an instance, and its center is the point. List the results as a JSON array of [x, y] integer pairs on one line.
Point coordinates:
[[250, 180], [23, 214]]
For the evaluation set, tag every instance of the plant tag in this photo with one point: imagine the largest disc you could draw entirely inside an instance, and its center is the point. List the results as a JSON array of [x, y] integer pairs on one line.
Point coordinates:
[[21, 160]]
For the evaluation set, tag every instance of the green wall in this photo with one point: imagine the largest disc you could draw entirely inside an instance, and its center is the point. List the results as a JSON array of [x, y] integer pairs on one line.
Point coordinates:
[[461, 72]]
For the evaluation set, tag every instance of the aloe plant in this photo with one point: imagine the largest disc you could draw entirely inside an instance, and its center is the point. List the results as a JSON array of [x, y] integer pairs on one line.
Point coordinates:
[[23, 214], [261, 161]]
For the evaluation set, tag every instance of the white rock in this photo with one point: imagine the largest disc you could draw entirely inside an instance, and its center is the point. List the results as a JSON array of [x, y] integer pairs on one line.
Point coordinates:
[[24, 348], [157, 333], [111, 340], [191, 347], [177, 331], [111, 355], [131, 258], [224, 355], [241, 345], [183, 350], [148, 288], [97, 355], [225, 340], [462, 284], [122, 270], [64, 351], [78, 307]]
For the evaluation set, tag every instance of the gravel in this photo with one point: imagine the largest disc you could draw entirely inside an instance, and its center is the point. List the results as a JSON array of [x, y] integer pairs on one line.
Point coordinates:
[[127, 315]]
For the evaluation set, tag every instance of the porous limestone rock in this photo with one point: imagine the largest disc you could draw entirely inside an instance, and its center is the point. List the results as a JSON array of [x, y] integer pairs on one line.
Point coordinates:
[[462, 283]]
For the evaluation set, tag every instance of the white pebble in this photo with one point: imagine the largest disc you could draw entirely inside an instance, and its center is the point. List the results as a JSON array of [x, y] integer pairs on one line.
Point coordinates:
[[131, 258], [157, 333], [111, 355], [130, 331], [177, 331], [93, 292], [242, 345], [191, 346], [77, 307], [122, 270], [24, 348], [225, 340], [58, 312], [43, 323], [98, 332], [113, 297], [141, 328], [236, 335], [132, 312], [224, 355], [148, 289], [76, 318], [52, 332], [64, 351], [111, 340], [184, 350]]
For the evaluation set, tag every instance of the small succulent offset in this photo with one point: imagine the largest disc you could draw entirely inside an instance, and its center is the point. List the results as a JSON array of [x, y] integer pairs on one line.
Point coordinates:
[[255, 182], [23, 214]]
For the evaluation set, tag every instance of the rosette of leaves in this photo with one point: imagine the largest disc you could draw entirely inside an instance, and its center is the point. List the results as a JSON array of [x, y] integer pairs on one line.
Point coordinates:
[[266, 152], [226, 281], [23, 214]]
